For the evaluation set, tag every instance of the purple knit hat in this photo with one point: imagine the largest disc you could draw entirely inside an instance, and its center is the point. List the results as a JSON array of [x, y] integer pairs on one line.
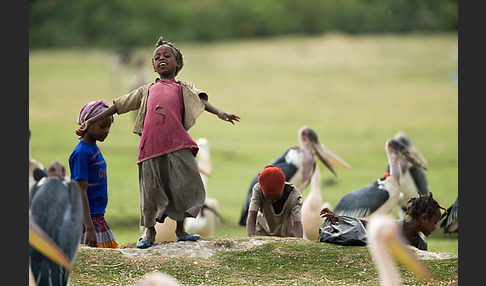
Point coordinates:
[[91, 109]]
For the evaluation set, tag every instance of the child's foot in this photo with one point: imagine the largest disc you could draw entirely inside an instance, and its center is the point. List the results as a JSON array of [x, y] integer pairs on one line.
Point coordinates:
[[148, 239], [187, 236]]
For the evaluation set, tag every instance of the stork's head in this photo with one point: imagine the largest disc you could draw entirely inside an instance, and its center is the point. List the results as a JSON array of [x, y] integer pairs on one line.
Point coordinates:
[[406, 153], [309, 142], [405, 140]]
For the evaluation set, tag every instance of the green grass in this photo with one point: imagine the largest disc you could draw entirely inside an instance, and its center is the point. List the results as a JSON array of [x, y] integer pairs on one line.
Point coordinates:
[[355, 92], [277, 262]]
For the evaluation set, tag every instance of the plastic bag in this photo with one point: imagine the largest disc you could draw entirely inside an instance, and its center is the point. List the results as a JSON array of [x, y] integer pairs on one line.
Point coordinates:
[[343, 230]]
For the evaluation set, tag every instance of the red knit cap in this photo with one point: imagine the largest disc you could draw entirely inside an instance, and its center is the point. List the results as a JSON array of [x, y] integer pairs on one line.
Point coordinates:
[[271, 179]]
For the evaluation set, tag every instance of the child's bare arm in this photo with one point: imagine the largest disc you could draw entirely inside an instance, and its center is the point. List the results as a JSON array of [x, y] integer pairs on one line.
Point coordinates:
[[251, 223], [81, 131], [298, 229], [221, 114], [90, 238]]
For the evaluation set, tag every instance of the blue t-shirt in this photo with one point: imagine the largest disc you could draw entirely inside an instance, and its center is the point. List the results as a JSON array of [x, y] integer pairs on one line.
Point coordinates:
[[87, 163]]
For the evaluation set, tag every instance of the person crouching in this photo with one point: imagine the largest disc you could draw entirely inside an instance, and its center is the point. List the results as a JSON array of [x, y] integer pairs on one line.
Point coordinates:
[[275, 207]]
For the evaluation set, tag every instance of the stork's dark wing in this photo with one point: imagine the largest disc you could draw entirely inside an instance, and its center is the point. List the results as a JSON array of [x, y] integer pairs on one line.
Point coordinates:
[[287, 168], [362, 202], [451, 218], [419, 179]]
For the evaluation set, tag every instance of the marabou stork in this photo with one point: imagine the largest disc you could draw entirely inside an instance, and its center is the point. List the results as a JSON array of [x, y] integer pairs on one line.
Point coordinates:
[[383, 242], [312, 204], [41, 242], [382, 196], [413, 182], [204, 160], [298, 164], [56, 208], [450, 222]]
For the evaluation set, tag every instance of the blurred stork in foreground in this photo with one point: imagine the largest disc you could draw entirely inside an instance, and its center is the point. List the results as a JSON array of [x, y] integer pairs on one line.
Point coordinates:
[[450, 222], [382, 196], [413, 182], [56, 208], [383, 242], [311, 219], [157, 279], [41, 242], [298, 164]]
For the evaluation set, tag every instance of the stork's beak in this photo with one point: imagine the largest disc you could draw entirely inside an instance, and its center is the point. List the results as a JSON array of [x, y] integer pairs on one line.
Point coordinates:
[[205, 172], [328, 158], [408, 153], [407, 259], [45, 245]]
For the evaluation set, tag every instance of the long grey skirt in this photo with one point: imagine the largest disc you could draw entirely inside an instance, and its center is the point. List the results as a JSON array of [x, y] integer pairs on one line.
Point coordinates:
[[170, 185]]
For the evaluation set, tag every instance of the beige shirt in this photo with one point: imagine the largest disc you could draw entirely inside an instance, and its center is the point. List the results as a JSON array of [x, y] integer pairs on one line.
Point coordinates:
[[268, 222], [137, 99]]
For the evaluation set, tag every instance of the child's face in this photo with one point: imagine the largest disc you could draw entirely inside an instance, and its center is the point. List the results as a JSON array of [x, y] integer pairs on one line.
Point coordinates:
[[165, 63], [428, 224], [99, 129]]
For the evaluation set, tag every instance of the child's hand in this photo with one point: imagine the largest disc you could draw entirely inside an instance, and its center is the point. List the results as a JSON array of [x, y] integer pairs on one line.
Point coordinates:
[[326, 212], [81, 131], [90, 238], [229, 117]]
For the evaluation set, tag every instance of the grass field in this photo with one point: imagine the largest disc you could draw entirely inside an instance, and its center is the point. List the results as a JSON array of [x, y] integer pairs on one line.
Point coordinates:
[[355, 92]]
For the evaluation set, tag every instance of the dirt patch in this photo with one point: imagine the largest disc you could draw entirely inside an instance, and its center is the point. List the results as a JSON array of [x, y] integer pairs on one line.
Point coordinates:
[[207, 248], [201, 248], [428, 255]]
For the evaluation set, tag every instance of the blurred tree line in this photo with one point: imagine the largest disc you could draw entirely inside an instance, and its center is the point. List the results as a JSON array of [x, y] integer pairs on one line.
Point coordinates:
[[106, 23]]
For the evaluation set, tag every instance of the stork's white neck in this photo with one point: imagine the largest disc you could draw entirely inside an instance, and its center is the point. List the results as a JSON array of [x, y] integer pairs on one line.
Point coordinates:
[[377, 230]]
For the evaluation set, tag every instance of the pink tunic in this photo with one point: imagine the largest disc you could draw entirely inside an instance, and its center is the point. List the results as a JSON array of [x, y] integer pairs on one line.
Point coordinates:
[[163, 131]]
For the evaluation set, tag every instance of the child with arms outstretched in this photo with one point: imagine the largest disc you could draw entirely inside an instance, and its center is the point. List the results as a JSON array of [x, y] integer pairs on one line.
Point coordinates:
[[169, 180]]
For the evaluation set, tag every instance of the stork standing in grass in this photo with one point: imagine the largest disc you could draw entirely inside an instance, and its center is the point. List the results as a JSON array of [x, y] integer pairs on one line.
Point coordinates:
[[383, 195], [311, 220], [298, 164], [413, 181]]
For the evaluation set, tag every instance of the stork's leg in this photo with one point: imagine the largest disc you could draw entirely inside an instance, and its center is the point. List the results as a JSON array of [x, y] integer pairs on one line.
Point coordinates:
[[400, 213]]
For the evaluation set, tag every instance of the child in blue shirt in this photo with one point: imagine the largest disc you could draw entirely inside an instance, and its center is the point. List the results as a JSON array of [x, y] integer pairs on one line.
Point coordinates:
[[88, 169]]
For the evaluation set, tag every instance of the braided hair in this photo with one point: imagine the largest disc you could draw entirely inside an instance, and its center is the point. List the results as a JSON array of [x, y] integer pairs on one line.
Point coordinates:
[[425, 204], [176, 51]]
